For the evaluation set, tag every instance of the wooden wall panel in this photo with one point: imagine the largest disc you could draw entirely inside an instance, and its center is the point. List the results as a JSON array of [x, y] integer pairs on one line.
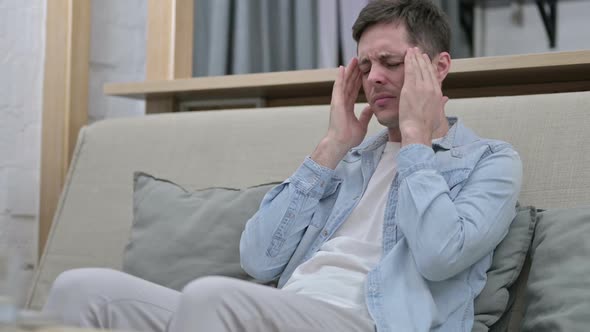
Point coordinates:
[[169, 46], [65, 99], [170, 39]]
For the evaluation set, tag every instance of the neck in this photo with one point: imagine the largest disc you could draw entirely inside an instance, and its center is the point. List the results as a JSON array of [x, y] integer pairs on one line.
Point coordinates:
[[442, 130], [395, 134]]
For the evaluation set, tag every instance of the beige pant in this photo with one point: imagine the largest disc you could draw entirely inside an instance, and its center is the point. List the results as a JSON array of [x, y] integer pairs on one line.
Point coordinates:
[[104, 298]]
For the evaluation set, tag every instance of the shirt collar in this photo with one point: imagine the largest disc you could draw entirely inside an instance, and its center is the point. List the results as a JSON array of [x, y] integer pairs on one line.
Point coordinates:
[[457, 135], [448, 141]]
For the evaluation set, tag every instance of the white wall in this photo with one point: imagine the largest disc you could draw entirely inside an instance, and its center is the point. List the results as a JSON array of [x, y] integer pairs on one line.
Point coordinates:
[[502, 36], [118, 34], [117, 54], [22, 35]]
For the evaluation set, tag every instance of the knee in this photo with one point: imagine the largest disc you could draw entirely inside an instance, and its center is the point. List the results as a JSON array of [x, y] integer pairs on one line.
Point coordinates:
[[210, 290], [77, 295], [78, 280], [72, 287]]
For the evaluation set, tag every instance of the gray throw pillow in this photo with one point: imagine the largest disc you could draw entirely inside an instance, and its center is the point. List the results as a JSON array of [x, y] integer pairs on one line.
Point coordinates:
[[507, 263], [179, 235], [558, 290]]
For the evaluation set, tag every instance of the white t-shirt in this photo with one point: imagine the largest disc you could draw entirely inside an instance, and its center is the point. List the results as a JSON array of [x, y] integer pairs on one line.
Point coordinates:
[[337, 272]]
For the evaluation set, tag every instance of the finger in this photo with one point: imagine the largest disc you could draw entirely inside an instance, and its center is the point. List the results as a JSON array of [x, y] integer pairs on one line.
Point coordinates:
[[352, 82], [359, 78], [416, 65], [360, 85], [337, 88], [356, 86], [350, 75], [350, 68], [409, 73], [424, 66], [366, 116], [445, 99], [431, 69]]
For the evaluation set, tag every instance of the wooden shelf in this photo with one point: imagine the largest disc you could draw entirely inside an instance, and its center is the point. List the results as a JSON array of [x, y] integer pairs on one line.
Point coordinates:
[[473, 77]]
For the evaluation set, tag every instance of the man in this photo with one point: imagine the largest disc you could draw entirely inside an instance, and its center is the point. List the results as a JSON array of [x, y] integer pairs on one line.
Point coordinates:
[[393, 232]]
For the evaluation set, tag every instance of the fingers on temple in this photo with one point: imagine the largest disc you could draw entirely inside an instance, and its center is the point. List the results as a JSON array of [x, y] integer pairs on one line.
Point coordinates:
[[423, 64], [357, 83], [431, 69], [351, 69], [409, 67], [353, 80]]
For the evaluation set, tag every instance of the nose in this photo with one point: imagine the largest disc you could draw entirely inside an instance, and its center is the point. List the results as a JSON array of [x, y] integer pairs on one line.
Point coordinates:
[[376, 75]]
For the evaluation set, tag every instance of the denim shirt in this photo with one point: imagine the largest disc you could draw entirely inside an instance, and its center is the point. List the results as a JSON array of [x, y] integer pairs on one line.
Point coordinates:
[[448, 207]]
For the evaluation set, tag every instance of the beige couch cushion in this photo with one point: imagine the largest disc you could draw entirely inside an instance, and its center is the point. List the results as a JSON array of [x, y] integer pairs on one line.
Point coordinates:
[[239, 148]]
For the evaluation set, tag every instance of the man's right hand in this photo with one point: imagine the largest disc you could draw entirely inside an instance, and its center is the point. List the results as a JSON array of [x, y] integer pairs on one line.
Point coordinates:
[[345, 130]]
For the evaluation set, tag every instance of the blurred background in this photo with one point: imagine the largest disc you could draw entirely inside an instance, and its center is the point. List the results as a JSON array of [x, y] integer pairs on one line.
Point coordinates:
[[244, 36]]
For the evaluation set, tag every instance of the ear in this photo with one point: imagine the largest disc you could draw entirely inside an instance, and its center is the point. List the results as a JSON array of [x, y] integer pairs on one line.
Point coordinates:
[[443, 65]]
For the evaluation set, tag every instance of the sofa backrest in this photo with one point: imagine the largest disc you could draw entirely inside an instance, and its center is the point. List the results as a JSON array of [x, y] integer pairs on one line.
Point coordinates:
[[550, 132], [240, 148]]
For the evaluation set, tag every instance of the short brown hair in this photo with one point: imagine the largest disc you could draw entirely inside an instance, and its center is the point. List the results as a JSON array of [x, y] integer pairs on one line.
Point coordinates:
[[427, 25]]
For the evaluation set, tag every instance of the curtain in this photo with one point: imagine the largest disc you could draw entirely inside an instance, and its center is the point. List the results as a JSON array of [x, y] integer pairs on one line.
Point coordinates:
[[459, 44], [252, 36]]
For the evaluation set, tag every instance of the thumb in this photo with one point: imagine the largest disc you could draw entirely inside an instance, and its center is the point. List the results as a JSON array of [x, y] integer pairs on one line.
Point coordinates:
[[445, 99], [366, 116]]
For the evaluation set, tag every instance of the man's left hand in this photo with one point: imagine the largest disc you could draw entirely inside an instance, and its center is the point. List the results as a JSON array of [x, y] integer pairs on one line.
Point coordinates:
[[421, 108]]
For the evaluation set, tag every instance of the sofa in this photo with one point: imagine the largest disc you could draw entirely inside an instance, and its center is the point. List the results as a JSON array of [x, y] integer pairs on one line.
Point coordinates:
[[248, 147]]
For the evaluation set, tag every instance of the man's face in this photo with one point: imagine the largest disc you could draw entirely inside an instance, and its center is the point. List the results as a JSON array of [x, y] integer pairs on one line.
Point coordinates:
[[381, 51]]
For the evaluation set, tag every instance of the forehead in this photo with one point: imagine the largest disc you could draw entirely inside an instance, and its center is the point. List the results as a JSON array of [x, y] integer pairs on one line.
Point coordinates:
[[383, 38]]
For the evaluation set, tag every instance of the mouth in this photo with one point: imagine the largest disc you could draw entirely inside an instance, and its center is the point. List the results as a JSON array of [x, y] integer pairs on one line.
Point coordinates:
[[382, 100]]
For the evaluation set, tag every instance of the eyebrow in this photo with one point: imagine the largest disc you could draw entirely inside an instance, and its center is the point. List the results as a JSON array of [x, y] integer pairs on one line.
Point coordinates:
[[382, 57]]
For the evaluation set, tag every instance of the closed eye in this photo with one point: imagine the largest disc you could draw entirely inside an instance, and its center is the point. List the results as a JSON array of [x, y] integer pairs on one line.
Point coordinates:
[[365, 70]]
